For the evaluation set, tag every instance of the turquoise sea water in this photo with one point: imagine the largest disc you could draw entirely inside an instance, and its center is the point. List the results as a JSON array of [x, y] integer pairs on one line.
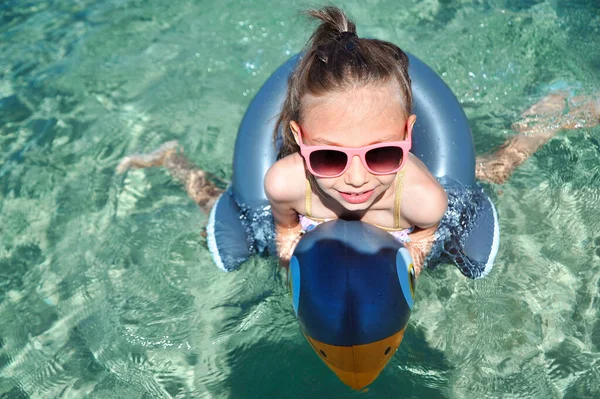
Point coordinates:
[[107, 289]]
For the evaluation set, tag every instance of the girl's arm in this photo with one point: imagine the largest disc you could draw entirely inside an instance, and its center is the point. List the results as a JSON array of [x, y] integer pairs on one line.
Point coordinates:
[[552, 114], [197, 182], [282, 192], [426, 204]]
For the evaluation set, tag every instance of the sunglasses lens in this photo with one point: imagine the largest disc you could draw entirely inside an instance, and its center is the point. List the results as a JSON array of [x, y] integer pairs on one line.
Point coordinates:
[[328, 162], [384, 159]]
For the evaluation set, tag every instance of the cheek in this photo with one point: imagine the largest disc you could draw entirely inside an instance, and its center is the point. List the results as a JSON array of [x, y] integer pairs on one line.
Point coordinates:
[[326, 184], [385, 180]]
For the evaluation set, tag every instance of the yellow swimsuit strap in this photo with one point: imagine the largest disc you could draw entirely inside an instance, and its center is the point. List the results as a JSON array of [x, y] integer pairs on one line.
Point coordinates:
[[308, 204], [308, 199], [398, 197], [397, 201]]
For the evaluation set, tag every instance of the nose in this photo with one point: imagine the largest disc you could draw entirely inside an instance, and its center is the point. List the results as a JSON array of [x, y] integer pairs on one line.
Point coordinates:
[[356, 175]]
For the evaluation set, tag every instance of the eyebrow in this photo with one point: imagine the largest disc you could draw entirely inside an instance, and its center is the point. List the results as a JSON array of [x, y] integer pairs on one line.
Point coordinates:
[[327, 142]]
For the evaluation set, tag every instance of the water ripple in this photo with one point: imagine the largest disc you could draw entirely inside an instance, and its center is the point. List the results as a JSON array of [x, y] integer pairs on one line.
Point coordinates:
[[107, 288]]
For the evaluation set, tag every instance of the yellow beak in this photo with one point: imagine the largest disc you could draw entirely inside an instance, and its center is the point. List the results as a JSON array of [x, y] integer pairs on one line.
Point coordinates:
[[359, 365]]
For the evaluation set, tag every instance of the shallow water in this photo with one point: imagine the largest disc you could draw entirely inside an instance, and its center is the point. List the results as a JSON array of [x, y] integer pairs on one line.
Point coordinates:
[[107, 288]]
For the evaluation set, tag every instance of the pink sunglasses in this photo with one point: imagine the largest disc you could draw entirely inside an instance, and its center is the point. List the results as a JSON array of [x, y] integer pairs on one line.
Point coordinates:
[[333, 161]]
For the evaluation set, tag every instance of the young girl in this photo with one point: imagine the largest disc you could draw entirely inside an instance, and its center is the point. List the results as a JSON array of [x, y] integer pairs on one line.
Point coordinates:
[[346, 126]]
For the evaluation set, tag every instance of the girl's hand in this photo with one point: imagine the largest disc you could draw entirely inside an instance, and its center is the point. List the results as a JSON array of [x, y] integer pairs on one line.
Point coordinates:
[[421, 241], [287, 239]]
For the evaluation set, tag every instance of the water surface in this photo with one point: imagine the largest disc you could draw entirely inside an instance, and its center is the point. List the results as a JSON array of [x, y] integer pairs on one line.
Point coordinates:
[[107, 289]]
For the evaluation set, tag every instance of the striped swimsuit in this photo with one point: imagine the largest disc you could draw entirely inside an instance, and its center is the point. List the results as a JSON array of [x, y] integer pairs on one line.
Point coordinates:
[[309, 222]]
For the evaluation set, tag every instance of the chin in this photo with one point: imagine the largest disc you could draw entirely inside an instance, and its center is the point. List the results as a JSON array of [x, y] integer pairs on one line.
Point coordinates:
[[356, 207], [337, 196]]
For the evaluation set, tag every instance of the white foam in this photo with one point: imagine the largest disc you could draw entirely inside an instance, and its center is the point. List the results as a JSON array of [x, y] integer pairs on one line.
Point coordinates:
[[210, 236], [495, 243]]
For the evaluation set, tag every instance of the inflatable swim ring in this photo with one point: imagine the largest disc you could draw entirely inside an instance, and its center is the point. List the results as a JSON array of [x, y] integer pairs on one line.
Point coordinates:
[[240, 224]]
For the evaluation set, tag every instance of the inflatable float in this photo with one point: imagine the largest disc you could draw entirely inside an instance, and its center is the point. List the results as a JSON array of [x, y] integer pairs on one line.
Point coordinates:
[[240, 224], [352, 284]]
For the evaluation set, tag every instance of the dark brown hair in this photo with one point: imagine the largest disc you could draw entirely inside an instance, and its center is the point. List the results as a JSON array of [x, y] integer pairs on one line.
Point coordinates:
[[334, 59]]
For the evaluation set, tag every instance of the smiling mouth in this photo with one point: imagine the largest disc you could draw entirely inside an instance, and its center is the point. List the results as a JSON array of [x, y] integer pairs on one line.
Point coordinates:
[[357, 198], [360, 193]]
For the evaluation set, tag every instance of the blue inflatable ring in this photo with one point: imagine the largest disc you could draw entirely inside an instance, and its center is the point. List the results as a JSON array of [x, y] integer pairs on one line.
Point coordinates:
[[240, 224]]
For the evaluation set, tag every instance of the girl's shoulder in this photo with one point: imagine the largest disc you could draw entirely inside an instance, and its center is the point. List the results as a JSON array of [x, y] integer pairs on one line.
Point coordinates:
[[285, 180], [419, 177], [424, 199]]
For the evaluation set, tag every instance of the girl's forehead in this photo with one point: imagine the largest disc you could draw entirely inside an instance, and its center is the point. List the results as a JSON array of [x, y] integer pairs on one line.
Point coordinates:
[[351, 117], [364, 101]]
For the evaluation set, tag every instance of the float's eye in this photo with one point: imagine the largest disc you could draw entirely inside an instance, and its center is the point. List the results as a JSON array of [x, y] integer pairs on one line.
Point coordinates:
[[406, 275], [294, 276]]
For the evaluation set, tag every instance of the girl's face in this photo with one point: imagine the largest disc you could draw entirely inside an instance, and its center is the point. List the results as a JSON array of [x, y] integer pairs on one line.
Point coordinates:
[[354, 118]]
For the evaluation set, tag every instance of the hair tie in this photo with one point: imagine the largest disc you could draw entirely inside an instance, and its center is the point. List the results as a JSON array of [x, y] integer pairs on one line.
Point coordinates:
[[347, 38], [346, 35]]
